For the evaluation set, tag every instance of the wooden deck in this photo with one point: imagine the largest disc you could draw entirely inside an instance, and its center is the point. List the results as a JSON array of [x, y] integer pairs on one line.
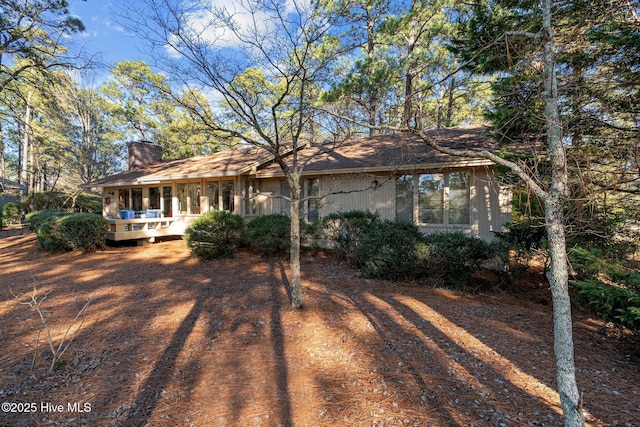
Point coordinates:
[[143, 228]]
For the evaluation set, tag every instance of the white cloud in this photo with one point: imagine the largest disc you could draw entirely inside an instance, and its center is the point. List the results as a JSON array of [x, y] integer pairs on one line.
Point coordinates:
[[219, 20]]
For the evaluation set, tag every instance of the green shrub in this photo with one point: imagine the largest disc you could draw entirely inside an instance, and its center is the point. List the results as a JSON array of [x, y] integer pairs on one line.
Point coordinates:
[[270, 234], [615, 304], [10, 213], [343, 231], [215, 234], [524, 235], [388, 250], [591, 263], [86, 232], [453, 257], [62, 231], [60, 201], [42, 221]]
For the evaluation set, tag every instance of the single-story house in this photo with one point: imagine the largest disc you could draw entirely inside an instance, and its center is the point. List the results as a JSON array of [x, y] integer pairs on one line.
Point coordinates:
[[397, 175]]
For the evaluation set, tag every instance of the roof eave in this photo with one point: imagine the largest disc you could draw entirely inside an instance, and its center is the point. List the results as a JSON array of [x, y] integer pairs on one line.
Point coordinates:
[[391, 168]]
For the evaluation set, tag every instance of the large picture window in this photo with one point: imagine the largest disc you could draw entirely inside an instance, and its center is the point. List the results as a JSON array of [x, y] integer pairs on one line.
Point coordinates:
[[442, 198]]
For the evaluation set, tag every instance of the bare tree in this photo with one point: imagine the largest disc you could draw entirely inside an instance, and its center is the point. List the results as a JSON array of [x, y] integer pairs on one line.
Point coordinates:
[[262, 61]]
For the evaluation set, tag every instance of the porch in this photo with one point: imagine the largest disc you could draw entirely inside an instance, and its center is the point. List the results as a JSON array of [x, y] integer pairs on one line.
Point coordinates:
[[144, 228]]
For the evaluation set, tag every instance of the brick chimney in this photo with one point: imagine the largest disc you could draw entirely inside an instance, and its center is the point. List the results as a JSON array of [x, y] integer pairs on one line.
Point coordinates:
[[143, 153]]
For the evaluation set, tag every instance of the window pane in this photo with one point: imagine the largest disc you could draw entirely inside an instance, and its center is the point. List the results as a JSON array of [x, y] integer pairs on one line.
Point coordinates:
[[285, 205], [227, 196], [404, 197], [251, 202], [431, 198], [213, 194], [167, 201], [154, 198], [459, 198], [182, 198], [136, 198], [313, 189], [123, 199], [194, 198]]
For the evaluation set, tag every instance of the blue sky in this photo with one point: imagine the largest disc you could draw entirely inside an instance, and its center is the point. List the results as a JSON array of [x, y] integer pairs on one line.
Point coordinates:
[[103, 34]]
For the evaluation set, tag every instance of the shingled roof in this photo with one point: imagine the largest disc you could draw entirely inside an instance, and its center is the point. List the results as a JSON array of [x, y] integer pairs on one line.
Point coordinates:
[[225, 163], [401, 151], [6, 184]]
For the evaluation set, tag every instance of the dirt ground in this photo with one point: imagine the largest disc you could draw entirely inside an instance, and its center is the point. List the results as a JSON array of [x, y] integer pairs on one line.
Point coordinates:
[[169, 341]]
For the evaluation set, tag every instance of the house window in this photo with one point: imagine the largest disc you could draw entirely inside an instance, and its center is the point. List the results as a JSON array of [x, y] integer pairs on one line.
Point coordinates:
[[228, 196], [459, 198], [154, 198], [167, 200], [213, 195], [250, 194], [123, 199], [443, 198], [194, 198], [313, 204], [285, 204], [404, 197], [431, 198], [182, 198], [136, 198]]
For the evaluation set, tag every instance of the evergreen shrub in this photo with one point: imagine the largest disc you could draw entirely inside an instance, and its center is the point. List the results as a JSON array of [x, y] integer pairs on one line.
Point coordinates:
[[453, 257], [388, 250], [60, 201], [343, 231], [270, 234], [10, 213], [63, 231], [215, 234]]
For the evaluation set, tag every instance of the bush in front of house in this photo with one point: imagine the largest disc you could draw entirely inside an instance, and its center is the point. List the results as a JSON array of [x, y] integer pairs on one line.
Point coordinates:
[[270, 234], [10, 213], [60, 201], [388, 250], [63, 231], [215, 234], [343, 231], [453, 257]]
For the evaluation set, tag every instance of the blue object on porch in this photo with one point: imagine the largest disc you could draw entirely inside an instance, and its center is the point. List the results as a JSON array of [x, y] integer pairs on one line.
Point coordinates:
[[126, 214]]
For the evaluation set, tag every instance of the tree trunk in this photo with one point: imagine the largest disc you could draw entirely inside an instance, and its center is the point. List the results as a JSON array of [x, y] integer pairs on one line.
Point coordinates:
[[294, 258], [372, 100], [451, 90], [558, 273], [2, 167], [24, 167]]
